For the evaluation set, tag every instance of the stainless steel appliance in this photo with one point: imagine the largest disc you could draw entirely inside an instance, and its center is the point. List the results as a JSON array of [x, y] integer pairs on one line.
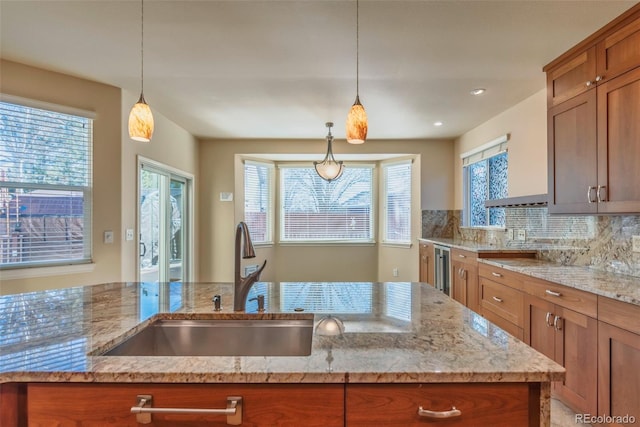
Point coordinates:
[[442, 276]]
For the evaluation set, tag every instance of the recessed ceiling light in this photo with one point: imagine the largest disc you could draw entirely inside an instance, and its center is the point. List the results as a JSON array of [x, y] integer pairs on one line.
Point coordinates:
[[438, 123], [478, 91]]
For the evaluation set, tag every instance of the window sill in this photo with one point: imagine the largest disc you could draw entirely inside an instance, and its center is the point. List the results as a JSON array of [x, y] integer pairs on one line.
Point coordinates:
[[58, 270], [335, 243], [397, 245], [485, 227]]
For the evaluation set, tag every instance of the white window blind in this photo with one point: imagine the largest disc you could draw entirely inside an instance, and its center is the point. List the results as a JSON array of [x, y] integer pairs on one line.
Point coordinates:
[[45, 187], [258, 200], [314, 210], [398, 300], [397, 202]]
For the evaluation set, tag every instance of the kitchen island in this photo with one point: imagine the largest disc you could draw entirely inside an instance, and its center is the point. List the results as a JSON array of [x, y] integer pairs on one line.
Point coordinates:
[[404, 343]]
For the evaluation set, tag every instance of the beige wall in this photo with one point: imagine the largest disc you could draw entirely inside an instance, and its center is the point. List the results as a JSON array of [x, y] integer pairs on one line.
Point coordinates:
[[171, 146], [27, 82], [114, 171], [219, 165], [527, 124]]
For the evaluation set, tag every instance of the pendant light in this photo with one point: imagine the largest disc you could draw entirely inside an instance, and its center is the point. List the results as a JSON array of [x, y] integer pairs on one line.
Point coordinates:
[[140, 117], [357, 118], [328, 168]]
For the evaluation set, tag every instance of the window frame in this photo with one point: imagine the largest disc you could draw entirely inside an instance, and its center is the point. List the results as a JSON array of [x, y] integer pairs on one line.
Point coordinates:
[[327, 242], [483, 153], [43, 268]]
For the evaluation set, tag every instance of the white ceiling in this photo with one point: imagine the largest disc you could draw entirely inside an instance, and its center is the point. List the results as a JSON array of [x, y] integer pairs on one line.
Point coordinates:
[[282, 68]]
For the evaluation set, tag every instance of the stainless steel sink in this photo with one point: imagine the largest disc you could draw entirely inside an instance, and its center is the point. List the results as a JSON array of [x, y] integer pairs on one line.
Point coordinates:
[[220, 337]]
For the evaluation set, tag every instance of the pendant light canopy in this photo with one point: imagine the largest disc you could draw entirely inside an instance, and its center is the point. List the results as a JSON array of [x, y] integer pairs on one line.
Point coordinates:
[[357, 124], [328, 168], [140, 117]]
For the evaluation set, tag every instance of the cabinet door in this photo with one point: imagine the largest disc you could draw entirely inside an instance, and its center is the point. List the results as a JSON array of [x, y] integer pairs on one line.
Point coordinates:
[[459, 282], [104, 405], [618, 373], [480, 405], [572, 155], [619, 51], [577, 350], [619, 144], [538, 330], [426, 263], [571, 78]]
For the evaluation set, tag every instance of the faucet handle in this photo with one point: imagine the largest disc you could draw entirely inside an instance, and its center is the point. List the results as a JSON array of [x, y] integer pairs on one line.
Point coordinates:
[[260, 300], [217, 302]]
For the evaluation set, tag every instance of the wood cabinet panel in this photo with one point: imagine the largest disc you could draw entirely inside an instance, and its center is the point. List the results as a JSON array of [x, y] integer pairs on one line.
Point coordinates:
[[620, 314], [619, 51], [427, 267], [619, 144], [464, 278], [571, 78], [500, 275], [13, 398], [575, 299], [480, 404], [93, 405], [502, 300], [572, 155], [618, 373]]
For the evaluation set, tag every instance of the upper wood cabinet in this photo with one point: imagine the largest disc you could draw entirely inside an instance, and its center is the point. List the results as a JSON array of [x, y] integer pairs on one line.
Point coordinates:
[[594, 122]]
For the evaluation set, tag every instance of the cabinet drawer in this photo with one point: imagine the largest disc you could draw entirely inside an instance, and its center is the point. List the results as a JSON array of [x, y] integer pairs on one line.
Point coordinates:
[[620, 314], [104, 405], [466, 257], [502, 300], [500, 275], [574, 299], [480, 404], [619, 51], [504, 324], [570, 78]]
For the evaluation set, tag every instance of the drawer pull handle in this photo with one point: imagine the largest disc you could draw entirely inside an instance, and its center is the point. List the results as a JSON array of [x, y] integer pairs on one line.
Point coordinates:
[[496, 274], [143, 410], [553, 293], [497, 299], [453, 412], [462, 256]]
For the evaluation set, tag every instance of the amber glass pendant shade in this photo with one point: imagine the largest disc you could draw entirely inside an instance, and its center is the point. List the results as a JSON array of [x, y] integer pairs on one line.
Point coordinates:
[[141, 121], [357, 124]]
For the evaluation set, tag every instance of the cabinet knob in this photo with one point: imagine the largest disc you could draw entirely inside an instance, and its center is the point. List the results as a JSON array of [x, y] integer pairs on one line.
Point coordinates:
[[599, 78]]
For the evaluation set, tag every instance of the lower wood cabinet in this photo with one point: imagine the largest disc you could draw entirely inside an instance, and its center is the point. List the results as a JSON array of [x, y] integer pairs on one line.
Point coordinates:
[[464, 278], [500, 404], [104, 405], [503, 305], [619, 361], [569, 338], [427, 263]]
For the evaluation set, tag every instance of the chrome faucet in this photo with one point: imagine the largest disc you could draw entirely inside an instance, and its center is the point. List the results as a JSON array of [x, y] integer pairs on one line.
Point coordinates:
[[242, 285]]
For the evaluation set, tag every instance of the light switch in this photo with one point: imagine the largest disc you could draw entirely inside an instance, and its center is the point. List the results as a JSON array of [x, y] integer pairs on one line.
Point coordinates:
[[129, 234], [635, 243], [108, 236]]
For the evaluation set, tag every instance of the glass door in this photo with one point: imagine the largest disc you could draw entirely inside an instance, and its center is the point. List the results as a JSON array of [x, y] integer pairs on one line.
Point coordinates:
[[163, 228]]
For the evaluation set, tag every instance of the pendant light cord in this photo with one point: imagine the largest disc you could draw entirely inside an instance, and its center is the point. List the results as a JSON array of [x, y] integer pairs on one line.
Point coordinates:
[[142, 47], [357, 48]]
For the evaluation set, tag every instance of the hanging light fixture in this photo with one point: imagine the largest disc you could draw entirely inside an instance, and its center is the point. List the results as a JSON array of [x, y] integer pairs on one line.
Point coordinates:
[[328, 168], [357, 118], [140, 117]]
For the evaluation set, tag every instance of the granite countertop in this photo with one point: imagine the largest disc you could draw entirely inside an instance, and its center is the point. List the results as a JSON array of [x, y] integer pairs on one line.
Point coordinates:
[[611, 285], [395, 333]]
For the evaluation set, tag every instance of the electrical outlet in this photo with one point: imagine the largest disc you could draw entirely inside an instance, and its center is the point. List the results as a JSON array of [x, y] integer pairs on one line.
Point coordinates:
[[129, 234], [395, 272], [522, 235], [509, 233], [108, 236], [635, 243]]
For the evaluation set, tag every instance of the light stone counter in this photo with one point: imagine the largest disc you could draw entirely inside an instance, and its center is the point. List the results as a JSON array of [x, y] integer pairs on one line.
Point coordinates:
[[395, 333], [611, 285]]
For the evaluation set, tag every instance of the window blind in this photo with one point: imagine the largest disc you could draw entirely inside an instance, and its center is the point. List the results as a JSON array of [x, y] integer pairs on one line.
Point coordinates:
[[397, 203], [314, 210], [45, 186], [258, 200]]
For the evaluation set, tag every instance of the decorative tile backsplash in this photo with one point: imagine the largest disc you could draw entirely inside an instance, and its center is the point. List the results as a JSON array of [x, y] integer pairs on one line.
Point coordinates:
[[602, 242]]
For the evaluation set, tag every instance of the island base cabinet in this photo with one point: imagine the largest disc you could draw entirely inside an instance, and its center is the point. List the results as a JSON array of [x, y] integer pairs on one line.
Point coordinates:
[[496, 404], [105, 405]]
